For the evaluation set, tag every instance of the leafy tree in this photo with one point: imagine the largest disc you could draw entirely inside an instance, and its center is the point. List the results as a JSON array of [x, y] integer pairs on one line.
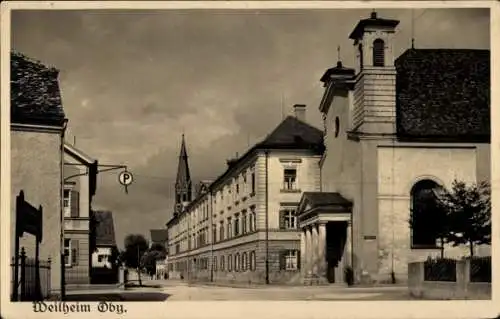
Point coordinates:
[[156, 252], [135, 247], [468, 214]]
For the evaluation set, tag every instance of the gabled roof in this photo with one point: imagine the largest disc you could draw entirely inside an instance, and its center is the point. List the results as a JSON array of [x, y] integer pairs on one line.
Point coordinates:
[[35, 95], [105, 230], [443, 93], [159, 235], [332, 200], [78, 154]]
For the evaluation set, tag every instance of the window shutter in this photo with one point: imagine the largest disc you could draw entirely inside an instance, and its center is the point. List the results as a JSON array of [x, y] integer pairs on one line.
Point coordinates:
[[75, 204], [74, 252], [298, 259], [282, 260], [282, 219]]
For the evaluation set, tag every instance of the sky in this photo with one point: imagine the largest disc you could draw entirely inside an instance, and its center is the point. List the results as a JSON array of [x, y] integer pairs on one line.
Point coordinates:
[[133, 81]]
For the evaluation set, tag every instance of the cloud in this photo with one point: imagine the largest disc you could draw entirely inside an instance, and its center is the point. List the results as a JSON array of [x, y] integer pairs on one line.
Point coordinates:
[[134, 81]]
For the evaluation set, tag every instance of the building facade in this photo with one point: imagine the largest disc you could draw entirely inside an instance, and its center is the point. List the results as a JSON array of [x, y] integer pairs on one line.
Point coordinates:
[[79, 188], [395, 129], [242, 226], [37, 135], [104, 267]]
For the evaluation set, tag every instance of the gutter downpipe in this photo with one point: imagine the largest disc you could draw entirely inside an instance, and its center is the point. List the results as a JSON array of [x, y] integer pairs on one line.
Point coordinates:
[[61, 212], [212, 239], [267, 217]]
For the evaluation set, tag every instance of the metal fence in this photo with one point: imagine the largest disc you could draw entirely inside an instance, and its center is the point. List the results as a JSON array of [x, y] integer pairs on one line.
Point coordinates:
[[34, 280]]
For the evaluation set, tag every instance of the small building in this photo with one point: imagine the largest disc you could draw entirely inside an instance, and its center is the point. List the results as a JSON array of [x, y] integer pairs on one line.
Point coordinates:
[[37, 130], [104, 266], [242, 226], [80, 175], [396, 129]]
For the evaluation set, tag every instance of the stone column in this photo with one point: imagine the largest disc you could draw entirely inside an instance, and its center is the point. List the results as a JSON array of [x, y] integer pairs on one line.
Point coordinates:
[[321, 249], [348, 245], [303, 270], [315, 257], [308, 251]]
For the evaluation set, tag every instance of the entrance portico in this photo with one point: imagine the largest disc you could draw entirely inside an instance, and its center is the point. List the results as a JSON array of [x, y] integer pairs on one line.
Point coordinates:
[[325, 222]]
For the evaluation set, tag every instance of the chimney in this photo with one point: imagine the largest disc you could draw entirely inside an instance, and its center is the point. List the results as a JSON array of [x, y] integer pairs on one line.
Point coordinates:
[[299, 111]]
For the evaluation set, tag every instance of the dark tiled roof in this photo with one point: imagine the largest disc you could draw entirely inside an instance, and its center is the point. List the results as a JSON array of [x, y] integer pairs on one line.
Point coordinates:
[[159, 235], [105, 230], [318, 199], [443, 93], [35, 95], [292, 133], [372, 21]]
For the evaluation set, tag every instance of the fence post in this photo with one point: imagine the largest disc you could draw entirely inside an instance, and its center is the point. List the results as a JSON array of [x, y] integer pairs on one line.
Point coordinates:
[[47, 284], [23, 274]]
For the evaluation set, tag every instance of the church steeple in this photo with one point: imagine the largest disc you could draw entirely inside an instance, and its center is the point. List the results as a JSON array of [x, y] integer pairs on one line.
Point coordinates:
[[183, 182]]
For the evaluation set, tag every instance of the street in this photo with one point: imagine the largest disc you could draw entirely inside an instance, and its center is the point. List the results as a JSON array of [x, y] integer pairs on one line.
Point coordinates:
[[181, 291]]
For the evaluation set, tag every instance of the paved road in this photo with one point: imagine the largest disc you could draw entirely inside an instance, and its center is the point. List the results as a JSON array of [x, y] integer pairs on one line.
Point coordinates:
[[175, 290]]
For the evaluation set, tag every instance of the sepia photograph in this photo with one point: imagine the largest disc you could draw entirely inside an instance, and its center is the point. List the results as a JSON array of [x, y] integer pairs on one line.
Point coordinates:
[[251, 154]]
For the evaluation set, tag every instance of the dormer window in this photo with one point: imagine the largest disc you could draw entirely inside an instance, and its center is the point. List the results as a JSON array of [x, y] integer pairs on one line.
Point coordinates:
[[378, 52]]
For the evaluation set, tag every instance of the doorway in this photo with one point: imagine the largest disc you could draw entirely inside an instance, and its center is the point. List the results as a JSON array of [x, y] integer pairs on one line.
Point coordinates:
[[336, 235]]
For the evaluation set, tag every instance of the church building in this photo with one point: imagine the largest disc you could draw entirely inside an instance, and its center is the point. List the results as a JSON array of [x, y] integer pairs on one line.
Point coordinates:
[[395, 128]]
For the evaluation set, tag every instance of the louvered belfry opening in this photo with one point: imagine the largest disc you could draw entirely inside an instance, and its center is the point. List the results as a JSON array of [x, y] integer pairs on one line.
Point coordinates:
[[378, 52]]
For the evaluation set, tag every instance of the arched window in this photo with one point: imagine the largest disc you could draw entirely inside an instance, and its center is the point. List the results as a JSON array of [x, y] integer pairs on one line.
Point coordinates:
[[253, 261], [222, 263], [360, 49], [425, 215], [378, 52], [244, 261]]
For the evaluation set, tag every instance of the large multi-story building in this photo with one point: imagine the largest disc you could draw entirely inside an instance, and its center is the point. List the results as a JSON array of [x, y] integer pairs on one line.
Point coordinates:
[[242, 226]]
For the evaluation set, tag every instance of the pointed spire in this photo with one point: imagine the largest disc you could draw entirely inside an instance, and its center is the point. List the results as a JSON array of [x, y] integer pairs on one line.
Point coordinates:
[[183, 181]]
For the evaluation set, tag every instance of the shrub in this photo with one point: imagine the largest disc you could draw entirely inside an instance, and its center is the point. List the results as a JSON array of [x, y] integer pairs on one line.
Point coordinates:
[[480, 269], [440, 269], [349, 275]]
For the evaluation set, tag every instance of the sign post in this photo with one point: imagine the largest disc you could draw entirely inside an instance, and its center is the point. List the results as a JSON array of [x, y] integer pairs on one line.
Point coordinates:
[[125, 178]]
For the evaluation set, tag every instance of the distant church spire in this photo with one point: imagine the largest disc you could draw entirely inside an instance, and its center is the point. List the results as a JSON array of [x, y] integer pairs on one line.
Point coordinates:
[[183, 182]]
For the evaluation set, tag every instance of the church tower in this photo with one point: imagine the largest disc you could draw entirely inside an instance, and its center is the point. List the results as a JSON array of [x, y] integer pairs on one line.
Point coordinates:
[[375, 91], [183, 182]]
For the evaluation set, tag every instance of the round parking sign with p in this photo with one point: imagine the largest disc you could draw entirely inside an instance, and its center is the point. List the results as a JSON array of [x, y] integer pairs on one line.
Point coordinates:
[[125, 178]]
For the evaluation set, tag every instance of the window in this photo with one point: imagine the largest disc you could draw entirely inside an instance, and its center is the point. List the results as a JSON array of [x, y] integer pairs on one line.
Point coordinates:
[[66, 201], [253, 182], [253, 222], [244, 223], [214, 261], [425, 214], [67, 252], [378, 52], [229, 228], [100, 258], [237, 185], [244, 261], [289, 260], [221, 263], [288, 220], [289, 180], [237, 262], [230, 263], [214, 233], [236, 225], [253, 261], [221, 230]]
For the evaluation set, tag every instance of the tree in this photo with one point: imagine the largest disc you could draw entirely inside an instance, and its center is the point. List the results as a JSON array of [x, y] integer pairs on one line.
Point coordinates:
[[135, 247], [468, 214], [156, 252]]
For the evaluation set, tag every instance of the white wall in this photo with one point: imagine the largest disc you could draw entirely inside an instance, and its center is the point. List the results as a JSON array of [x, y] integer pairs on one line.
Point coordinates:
[[106, 252]]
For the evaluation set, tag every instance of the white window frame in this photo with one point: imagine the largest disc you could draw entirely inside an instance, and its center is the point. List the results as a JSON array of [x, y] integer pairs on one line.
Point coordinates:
[[67, 208], [286, 184], [68, 263], [291, 260], [289, 216]]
